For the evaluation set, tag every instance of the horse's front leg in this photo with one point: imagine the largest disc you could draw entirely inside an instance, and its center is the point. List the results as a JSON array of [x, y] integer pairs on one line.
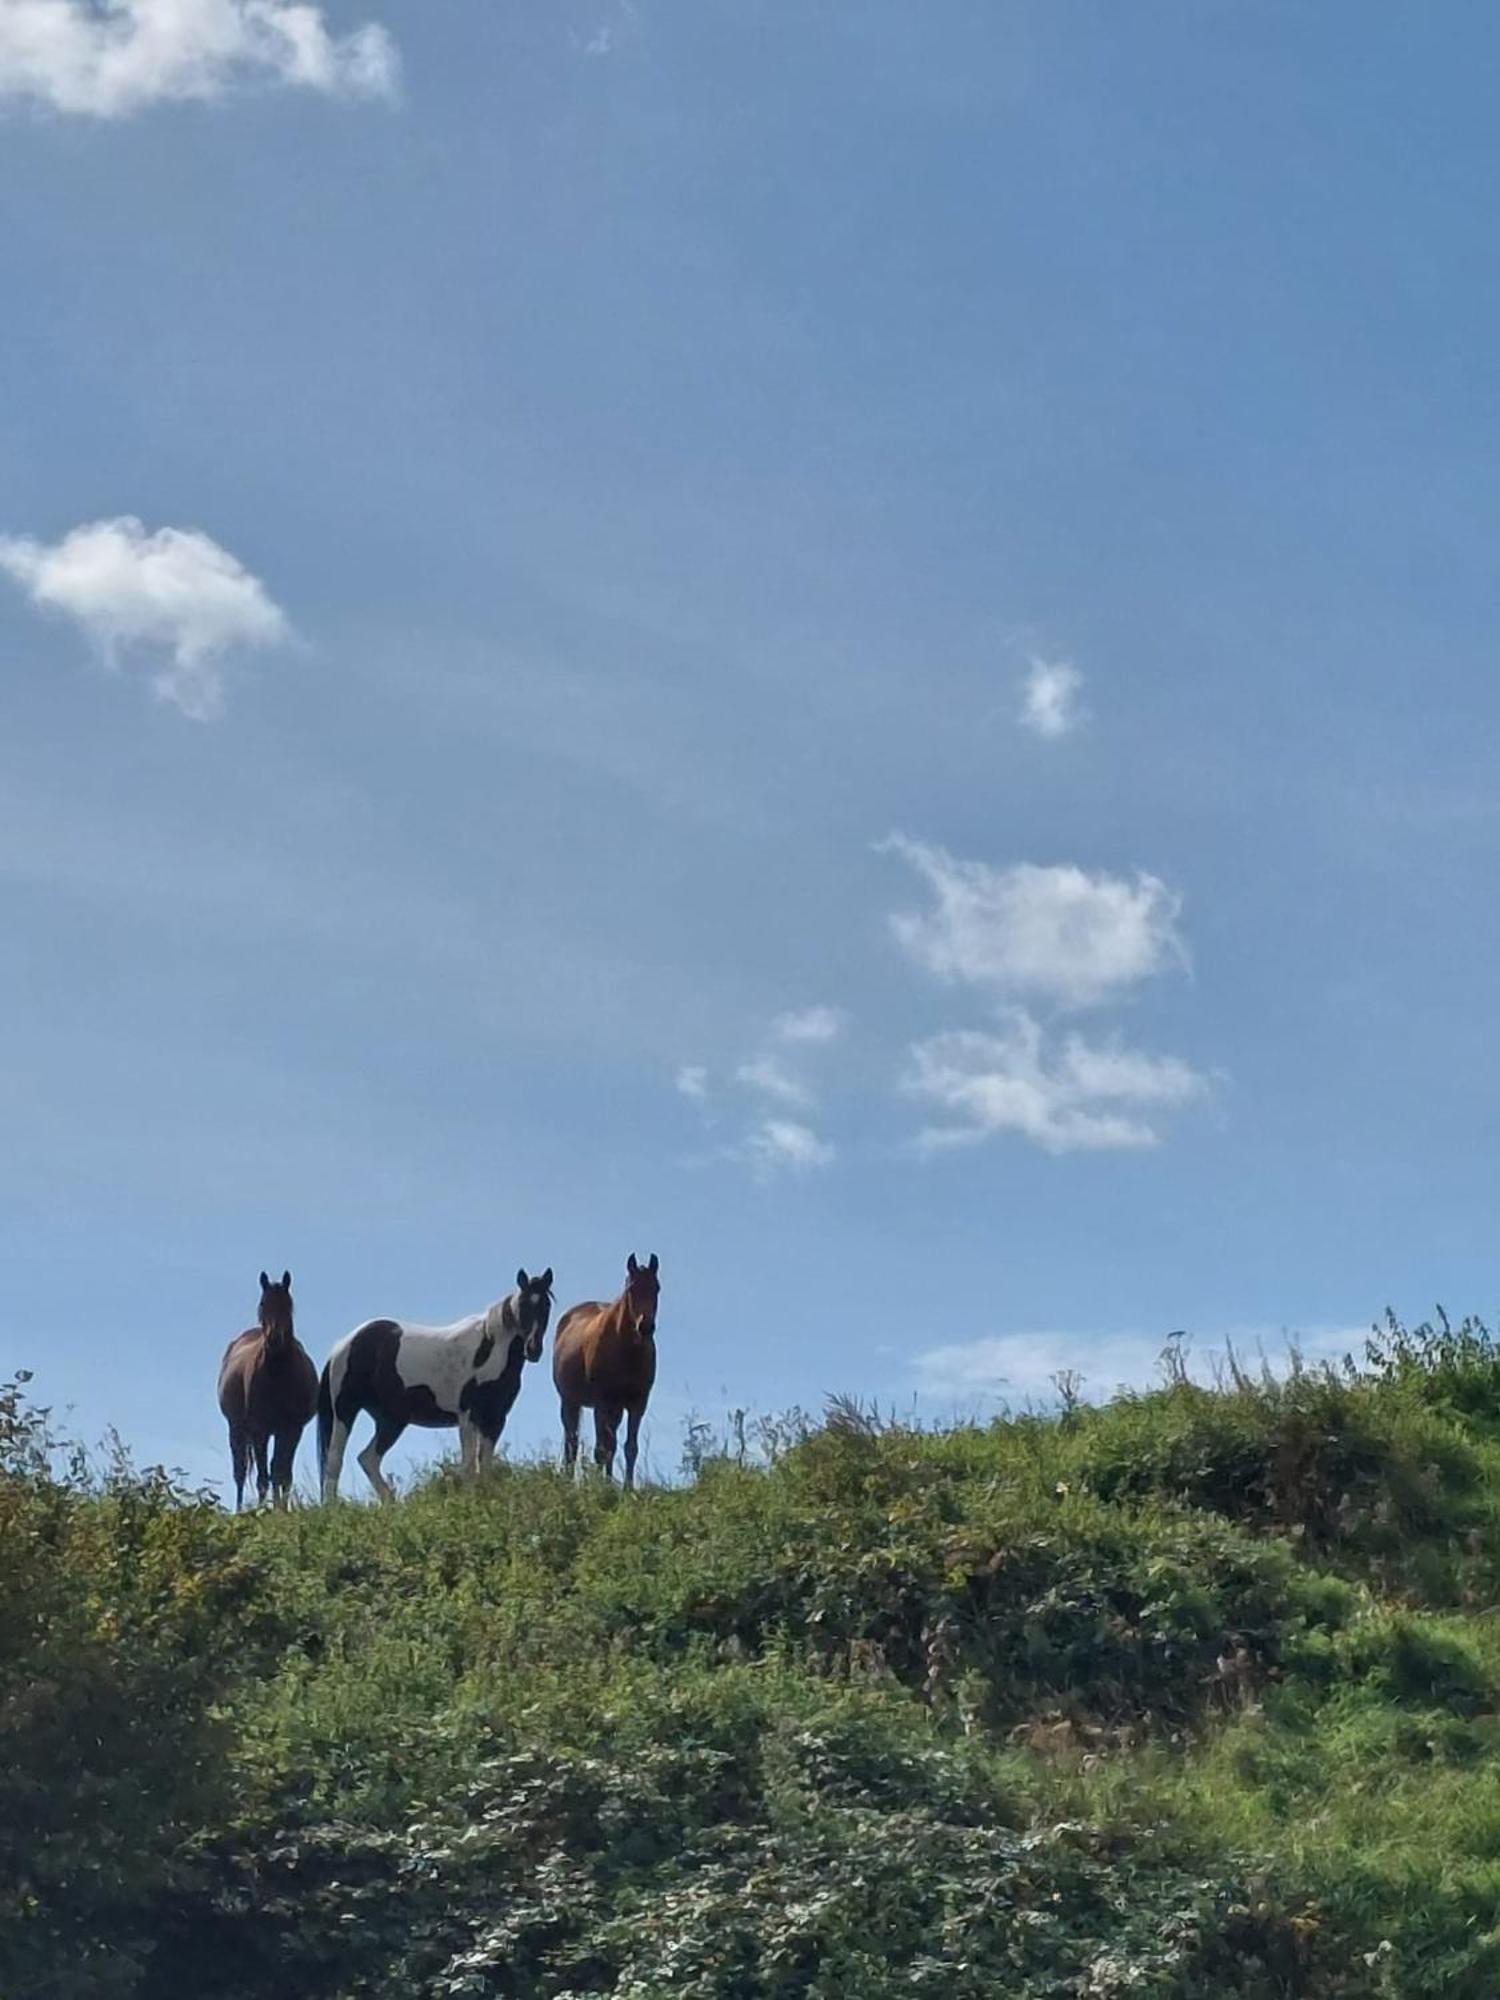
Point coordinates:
[[282, 1457], [570, 1415], [239, 1455], [633, 1415], [606, 1430], [259, 1440], [484, 1453]]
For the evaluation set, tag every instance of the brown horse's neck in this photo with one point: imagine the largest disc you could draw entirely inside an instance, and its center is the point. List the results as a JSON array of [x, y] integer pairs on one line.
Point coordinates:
[[624, 1325]]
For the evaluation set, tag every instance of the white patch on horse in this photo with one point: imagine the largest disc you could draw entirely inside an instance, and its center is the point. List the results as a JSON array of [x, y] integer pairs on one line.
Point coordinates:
[[441, 1358]]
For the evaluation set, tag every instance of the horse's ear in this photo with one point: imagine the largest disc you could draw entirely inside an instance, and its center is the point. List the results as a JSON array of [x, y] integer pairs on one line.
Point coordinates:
[[652, 1267], [546, 1279], [286, 1278], [265, 1282], [631, 1265], [522, 1281]]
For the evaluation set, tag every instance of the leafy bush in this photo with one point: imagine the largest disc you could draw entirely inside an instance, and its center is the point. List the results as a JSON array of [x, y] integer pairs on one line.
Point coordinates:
[[1362, 1472], [114, 1598], [758, 1838], [1143, 1700]]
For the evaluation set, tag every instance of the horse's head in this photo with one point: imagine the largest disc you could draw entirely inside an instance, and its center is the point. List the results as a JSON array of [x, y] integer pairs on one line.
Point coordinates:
[[641, 1289], [533, 1306], [276, 1312]]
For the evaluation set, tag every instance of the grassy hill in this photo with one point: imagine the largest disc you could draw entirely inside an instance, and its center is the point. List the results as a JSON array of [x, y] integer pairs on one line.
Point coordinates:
[[1196, 1693]]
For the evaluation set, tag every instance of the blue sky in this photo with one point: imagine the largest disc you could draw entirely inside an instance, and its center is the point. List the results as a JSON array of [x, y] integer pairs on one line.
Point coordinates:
[[854, 645]]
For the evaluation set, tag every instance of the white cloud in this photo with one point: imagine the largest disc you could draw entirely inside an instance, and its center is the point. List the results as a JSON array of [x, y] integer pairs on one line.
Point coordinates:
[[108, 58], [1058, 933], [1023, 1365], [174, 593], [810, 1024], [780, 1145], [775, 1144], [1051, 703], [1083, 1097], [771, 1077]]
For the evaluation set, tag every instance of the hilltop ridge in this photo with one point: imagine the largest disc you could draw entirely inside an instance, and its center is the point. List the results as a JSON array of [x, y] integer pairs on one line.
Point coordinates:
[[1196, 1692]]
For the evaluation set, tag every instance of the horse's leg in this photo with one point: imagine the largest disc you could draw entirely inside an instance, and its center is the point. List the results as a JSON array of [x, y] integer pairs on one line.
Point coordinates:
[[258, 1441], [387, 1430], [484, 1452], [468, 1447], [333, 1459], [239, 1457], [570, 1415], [281, 1465], [606, 1427], [633, 1414]]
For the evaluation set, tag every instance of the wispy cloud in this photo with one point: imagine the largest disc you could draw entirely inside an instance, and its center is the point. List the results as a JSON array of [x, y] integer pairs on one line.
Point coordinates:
[[1052, 699], [768, 1075], [1054, 933], [108, 58], [780, 1145], [777, 1074], [810, 1024], [1022, 1366], [1082, 1097], [176, 594]]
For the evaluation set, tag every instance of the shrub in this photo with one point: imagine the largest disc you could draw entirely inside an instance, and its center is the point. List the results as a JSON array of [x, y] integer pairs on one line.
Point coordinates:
[[111, 1757], [1138, 1702], [1359, 1472]]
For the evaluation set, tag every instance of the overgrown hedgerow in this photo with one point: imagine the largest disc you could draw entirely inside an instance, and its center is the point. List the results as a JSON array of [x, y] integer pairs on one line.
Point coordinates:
[[1194, 1694]]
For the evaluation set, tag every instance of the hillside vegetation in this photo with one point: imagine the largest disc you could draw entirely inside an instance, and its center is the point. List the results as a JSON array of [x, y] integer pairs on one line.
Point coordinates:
[[1195, 1693]]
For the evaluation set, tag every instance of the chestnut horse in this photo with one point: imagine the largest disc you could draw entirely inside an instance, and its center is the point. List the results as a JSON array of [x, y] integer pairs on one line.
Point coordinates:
[[604, 1359], [268, 1390]]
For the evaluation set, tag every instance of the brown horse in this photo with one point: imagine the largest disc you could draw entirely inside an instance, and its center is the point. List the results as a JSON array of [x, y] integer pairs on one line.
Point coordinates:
[[268, 1390], [604, 1359]]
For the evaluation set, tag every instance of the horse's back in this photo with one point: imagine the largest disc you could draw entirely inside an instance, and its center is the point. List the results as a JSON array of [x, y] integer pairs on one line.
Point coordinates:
[[360, 1352], [406, 1370], [359, 1345], [576, 1320]]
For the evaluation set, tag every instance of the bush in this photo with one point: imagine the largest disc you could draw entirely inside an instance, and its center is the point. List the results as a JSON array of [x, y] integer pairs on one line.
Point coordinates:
[[750, 1834], [1141, 1701], [111, 1604], [1363, 1473]]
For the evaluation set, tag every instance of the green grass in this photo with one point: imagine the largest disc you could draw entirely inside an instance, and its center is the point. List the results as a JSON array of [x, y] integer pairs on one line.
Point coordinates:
[[1197, 1693]]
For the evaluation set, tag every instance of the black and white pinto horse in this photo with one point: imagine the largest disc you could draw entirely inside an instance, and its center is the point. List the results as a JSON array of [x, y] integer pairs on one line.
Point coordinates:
[[467, 1374]]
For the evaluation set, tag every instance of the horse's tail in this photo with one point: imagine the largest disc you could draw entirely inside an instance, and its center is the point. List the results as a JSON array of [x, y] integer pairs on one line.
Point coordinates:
[[325, 1420]]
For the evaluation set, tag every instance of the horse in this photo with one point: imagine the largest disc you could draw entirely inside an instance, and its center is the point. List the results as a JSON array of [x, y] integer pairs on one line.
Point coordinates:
[[604, 1359], [268, 1390], [467, 1374]]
